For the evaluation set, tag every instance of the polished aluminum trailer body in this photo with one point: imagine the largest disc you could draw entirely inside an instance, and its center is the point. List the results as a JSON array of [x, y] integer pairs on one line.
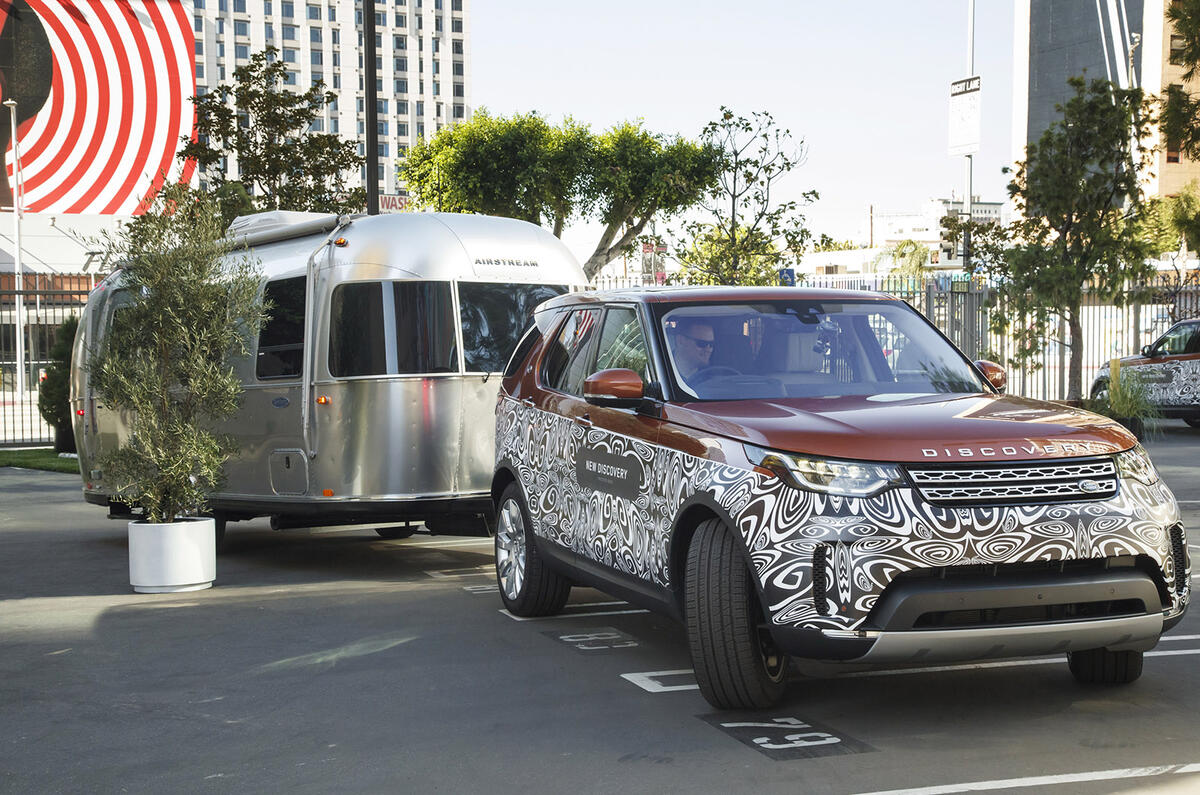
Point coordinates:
[[370, 395]]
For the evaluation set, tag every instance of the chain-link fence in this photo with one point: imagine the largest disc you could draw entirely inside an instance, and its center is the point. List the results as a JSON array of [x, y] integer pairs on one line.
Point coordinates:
[[962, 308], [42, 311]]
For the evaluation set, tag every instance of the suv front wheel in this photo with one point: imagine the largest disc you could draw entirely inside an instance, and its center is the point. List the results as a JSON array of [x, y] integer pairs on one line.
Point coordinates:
[[736, 661], [527, 586]]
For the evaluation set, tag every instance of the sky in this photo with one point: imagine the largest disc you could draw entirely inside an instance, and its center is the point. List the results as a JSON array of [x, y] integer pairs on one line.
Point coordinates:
[[864, 84]]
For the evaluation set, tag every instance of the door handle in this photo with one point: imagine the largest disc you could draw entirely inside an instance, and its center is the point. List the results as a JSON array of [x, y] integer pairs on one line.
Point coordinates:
[[527, 402], [584, 420]]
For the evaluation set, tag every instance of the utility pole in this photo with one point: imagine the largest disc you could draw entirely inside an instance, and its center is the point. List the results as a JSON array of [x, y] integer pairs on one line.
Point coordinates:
[[967, 197], [370, 75]]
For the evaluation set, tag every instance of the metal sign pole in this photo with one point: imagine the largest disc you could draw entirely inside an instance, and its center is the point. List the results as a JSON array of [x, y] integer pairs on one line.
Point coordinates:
[[967, 198], [19, 281]]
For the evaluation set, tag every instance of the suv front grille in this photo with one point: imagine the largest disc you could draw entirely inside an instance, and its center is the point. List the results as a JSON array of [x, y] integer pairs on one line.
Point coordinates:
[[1087, 479]]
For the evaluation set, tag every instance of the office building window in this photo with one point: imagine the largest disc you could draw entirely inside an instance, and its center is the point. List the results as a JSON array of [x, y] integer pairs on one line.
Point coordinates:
[[458, 68], [198, 23], [241, 51], [270, 32], [290, 55], [335, 36], [199, 72], [1177, 46], [199, 46], [459, 90], [289, 78], [402, 129], [402, 107], [402, 86], [456, 26], [314, 12], [401, 20], [318, 59], [314, 35], [239, 6], [456, 47], [289, 32], [332, 13], [401, 64], [400, 42], [460, 111], [288, 9]]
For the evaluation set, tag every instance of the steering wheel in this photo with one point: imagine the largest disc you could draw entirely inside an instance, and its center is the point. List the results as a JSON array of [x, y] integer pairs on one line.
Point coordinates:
[[713, 371]]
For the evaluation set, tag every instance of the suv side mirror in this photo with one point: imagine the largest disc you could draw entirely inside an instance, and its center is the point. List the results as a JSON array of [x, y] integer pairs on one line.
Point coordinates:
[[1148, 351], [994, 373], [617, 388]]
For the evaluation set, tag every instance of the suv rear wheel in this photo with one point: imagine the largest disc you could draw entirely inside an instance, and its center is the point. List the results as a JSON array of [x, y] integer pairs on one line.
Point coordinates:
[[527, 586], [1104, 667], [736, 661]]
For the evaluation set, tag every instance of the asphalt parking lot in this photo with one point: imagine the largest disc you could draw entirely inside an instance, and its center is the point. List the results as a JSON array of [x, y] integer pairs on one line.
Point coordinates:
[[331, 663]]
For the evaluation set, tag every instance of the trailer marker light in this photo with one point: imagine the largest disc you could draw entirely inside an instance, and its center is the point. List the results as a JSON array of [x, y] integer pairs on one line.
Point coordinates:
[[327, 493], [323, 400], [340, 242], [79, 412]]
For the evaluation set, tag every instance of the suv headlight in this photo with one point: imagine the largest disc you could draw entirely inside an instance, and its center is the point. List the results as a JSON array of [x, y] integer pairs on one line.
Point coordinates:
[[828, 475], [1135, 463]]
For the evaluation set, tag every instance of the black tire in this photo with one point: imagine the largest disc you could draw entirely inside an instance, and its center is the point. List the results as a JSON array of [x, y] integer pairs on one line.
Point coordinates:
[[737, 663], [1193, 421], [1104, 667], [528, 587], [392, 533]]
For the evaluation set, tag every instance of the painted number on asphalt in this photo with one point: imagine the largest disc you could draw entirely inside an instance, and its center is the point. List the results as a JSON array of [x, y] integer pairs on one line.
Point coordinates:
[[596, 639], [787, 737]]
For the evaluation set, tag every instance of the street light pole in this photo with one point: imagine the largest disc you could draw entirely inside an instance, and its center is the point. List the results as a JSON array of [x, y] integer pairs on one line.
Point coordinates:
[[18, 279], [970, 162]]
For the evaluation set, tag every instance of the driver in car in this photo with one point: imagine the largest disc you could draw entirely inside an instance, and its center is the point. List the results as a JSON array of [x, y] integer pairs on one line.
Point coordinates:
[[692, 346]]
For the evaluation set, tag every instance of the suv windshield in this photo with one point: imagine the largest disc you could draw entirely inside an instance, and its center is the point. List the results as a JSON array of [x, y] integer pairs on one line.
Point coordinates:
[[781, 349]]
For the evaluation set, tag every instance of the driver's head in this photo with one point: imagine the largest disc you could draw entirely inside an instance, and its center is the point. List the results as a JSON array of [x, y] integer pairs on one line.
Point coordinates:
[[693, 344]]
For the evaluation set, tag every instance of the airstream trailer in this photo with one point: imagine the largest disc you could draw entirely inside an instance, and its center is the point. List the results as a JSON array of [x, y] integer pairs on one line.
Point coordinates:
[[370, 392]]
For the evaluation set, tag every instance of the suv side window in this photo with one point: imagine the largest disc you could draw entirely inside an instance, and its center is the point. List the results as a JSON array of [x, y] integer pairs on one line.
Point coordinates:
[[1193, 345], [565, 363], [1175, 341], [622, 343]]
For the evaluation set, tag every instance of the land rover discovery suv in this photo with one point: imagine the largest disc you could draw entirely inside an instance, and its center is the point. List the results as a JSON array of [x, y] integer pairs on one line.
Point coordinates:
[[821, 474], [1169, 368]]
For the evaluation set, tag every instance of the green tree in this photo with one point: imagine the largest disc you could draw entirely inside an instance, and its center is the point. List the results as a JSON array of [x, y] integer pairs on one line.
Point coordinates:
[[1181, 106], [265, 129], [908, 257], [523, 167], [708, 259], [826, 243], [54, 401], [744, 222], [166, 359], [1078, 196]]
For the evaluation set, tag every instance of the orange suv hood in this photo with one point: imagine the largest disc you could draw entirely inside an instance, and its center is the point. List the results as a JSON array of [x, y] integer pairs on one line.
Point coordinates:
[[933, 428]]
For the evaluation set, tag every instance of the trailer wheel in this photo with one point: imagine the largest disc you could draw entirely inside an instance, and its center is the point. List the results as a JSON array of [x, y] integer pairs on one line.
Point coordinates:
[[1104, 667], [736, 661], [528, 587]]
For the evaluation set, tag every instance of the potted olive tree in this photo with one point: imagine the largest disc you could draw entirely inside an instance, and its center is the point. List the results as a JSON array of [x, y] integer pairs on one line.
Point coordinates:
[[166, 363]]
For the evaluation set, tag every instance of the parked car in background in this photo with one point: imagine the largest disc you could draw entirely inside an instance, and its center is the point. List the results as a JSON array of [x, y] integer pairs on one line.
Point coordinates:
[[821, 474], [1169, 368]]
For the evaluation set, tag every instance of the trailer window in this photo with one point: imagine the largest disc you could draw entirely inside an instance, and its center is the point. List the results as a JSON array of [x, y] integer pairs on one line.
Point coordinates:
[[281, 341], [392, 328], [493, 318]]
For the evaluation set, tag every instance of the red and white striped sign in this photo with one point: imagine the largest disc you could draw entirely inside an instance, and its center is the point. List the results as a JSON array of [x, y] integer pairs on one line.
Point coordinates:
[[123, 71]]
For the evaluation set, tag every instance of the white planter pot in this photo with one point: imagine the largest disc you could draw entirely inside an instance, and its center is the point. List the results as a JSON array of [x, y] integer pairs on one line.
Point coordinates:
[[171, 557]]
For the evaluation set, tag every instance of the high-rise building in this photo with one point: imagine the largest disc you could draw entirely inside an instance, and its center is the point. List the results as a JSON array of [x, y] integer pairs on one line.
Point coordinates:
[[1128, 42], [422, 63]]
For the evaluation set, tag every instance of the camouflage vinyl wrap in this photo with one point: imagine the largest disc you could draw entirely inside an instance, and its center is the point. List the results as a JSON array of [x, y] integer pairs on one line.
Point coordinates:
[[869, 541]]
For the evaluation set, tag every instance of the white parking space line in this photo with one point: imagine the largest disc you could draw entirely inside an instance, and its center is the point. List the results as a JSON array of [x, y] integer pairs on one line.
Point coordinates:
[[574, 615], [1044, 781], [413, 541], [468, 571], [645, 679]]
